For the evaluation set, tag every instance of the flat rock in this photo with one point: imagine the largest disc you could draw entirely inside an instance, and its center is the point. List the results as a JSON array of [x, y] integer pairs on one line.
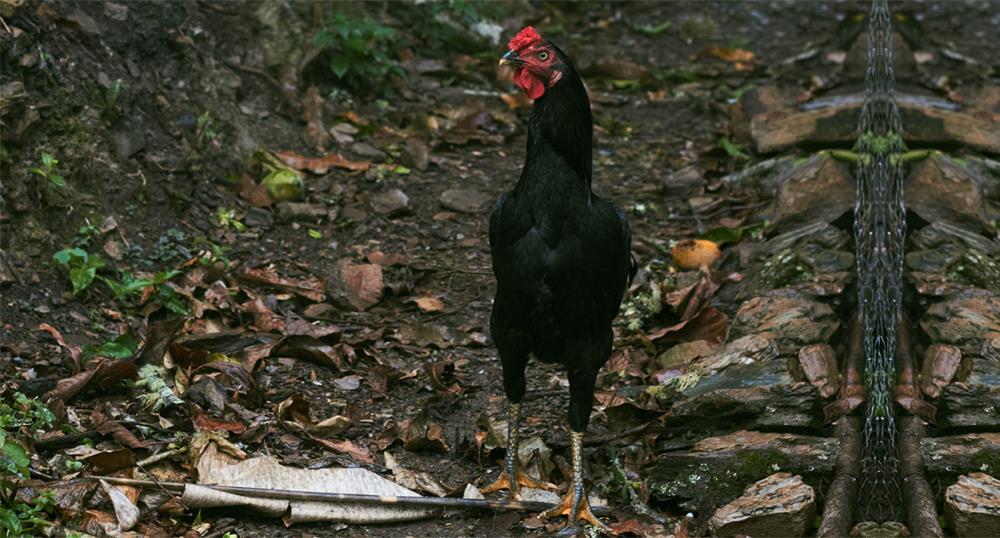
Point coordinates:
[[391, 203], [772, 404], [940, 189], [368, 151], [972, 505], [721, 467], [964, 405], [780, 124], [941, 361], [779, 505], [465, 200], [819, 363], [949, 456], [128, 142], [300, 211], [791, 318], [821, 188], [967, 321]]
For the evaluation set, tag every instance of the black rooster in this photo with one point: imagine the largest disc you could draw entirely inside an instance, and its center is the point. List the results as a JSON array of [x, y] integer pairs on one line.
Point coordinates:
[[561, 257]]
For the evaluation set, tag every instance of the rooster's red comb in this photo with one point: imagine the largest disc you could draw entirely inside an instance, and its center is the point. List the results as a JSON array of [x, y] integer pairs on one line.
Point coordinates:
[[525, 38]]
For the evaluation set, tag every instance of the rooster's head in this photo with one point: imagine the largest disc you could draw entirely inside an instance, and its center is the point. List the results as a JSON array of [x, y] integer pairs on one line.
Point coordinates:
[[538, 64]]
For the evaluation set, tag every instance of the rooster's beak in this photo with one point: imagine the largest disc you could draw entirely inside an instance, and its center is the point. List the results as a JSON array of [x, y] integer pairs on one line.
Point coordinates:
[[510, 58]]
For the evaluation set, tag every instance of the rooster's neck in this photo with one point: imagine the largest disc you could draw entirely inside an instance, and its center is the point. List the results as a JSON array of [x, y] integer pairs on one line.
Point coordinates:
[[561, 123]]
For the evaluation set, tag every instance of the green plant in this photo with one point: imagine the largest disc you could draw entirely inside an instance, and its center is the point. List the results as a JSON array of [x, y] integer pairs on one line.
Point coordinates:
[[82, 267], [227, 218], [18, 518], [732, 149], [111, 94], [206, 128], [122, 347], [360, 50], [129, 285], [48, 171]]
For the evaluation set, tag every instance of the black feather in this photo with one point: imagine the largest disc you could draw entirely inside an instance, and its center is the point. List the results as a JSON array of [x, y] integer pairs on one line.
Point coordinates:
[[561, 255]]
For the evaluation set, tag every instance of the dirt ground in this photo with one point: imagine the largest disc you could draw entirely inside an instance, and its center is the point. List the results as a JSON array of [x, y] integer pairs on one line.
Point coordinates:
[[199, 97]]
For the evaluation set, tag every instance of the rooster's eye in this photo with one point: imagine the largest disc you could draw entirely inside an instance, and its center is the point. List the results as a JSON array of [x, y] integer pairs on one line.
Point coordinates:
[[543, 55]]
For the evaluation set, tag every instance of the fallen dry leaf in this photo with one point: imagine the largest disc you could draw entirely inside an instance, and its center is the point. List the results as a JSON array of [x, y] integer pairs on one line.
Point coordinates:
[[321, 165], [429, 304]]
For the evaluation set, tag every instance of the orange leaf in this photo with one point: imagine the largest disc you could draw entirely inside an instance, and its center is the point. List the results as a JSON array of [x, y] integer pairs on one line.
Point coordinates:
[[736, 56], [429, 304], [320, 165]]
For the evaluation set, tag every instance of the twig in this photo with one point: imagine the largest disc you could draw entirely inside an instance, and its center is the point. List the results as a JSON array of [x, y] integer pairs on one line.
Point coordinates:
[[155, 458], [297, 495]]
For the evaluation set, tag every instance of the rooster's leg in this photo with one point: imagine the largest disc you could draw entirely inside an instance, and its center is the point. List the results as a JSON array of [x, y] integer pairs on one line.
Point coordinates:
[[575, 504], [509, 478]]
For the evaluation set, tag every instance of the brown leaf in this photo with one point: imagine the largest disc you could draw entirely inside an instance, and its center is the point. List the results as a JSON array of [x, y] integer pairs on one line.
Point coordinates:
[[363, 283], [741, 59], [348, 447], [254, 193], [113, 428], [710, 324], [311, 288], [295, 408], [264, 319], [112, 460], [74, 351], [429, 304], [420, 433], [320, 165], [312, 114], [204, 423]]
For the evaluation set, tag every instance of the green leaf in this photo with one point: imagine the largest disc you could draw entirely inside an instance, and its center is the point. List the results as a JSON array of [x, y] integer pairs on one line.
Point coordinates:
[[649, 29], [339, 64], [733, 150], [64, 256], [315, 234], [15, 453], [723, 235], [122, 347], [82, 277], [48, 160], [58, 181], [401, 170]]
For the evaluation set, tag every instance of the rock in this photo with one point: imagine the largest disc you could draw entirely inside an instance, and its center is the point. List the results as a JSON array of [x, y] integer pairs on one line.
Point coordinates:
[[84, 22], [947, 457], [778, 124], [300, 211], [685, 352], [416, 153], [968, 320], [684, 182], [963, 405], [940, 189], [357, 286], [822, 188], [747, 350], [465, 200], [118, 12], [940, 364], [773, 401], [128, 142], [258, 217], [368, 151], [779, 505], [391, 203], [721, 467], [791, 318], [972, 505], [819, 362]]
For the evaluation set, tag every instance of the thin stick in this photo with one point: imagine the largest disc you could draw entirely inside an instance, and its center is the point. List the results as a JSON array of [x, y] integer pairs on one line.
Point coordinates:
[[297, 495]]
